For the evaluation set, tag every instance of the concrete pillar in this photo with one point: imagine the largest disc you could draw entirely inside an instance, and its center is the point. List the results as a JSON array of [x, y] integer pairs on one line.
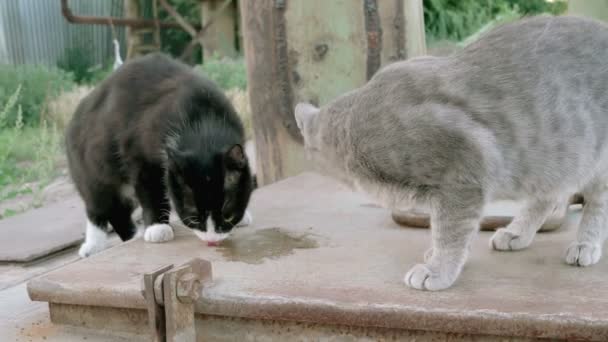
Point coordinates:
[[220, 37]]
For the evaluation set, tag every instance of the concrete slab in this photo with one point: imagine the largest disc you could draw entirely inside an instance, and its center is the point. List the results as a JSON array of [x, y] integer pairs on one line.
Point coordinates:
[[42, 231], [318, 254], [23, 320], [12, 274]]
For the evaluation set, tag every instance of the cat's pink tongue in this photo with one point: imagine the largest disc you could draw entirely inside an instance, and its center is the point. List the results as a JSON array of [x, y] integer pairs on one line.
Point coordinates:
[[213, 243]]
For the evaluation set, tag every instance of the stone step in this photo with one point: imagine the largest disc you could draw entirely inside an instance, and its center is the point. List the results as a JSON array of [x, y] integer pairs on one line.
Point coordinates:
[[40, 232], [320, 261]]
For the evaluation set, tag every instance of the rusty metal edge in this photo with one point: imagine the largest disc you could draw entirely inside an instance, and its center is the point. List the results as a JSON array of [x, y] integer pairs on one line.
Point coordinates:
[[373, 30], [156, 313], [134, 23], [399, 27], [283, 69]]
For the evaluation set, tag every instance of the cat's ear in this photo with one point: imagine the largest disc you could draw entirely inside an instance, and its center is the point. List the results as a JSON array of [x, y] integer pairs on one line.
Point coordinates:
[[304, 114], [235, 157]]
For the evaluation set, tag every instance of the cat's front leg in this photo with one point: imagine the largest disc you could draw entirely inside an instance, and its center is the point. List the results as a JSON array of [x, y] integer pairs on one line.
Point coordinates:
[[521, 231], [152, 195], [593, 228], [455, 217]]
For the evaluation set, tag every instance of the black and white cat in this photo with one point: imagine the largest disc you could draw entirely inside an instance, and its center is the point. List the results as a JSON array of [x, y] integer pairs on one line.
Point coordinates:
[[156, 132]]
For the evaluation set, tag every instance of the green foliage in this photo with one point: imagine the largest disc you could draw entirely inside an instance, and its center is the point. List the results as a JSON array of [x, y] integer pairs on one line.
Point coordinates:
[[175, 41], [27, 154], [78, 62], [100, 73], [37, 84], [10, 133], [456, 20], [227, 73], [531, 7]]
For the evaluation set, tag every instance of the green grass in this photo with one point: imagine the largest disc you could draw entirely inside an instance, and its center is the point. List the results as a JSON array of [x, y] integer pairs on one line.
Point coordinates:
[[28, 155], [227, 73], [37, 85], [456, 20]]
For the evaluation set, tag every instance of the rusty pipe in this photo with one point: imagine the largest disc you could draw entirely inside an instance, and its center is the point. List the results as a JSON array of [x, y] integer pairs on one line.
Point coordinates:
[[133, 23]]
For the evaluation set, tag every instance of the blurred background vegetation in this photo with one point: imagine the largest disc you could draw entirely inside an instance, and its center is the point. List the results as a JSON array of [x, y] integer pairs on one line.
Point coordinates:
[[36, 101]]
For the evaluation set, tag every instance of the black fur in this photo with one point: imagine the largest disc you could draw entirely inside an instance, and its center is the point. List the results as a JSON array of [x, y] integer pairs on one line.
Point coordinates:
[[160, 127]]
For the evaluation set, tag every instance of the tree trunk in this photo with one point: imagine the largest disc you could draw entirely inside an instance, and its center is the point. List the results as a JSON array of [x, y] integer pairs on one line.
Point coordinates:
[[314, 51], [134, 40], [597, 9], [220, 38]]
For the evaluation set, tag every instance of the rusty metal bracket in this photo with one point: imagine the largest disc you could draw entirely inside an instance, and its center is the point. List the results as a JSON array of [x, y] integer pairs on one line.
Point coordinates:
[[170, 294]]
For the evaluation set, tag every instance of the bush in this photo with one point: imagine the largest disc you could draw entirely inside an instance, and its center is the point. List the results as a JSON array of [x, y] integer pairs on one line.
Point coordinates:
[[38, 85], [78, 62], [458, 19], [227, 73], [175, 41], [59, 110], [28, 155], [10, 133]]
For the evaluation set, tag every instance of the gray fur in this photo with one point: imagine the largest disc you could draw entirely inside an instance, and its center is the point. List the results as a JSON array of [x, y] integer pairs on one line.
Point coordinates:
[[520, 114]]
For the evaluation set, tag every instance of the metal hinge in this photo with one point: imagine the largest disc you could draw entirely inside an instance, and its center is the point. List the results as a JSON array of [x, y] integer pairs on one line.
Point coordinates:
[[170, 294]]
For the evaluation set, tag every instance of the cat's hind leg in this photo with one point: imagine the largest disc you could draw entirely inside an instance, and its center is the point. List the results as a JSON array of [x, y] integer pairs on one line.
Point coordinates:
[[151, 192], [455, 217], [107, 206], [95, 240], [593, 228], [121, 220], [521, 231]]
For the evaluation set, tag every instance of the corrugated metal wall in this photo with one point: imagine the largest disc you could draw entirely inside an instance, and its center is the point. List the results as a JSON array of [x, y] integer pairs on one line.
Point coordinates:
[[35, 32]]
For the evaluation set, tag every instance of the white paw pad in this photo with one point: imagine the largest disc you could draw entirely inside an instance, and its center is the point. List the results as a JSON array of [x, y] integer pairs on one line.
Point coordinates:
[[583, 254], [89, 248], [421, 277], [506, 240], [94, 241], [246, 220], [158, 233]]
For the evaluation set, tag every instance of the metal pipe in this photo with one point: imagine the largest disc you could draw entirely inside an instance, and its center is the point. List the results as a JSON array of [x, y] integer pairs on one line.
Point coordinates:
[[133, 23]]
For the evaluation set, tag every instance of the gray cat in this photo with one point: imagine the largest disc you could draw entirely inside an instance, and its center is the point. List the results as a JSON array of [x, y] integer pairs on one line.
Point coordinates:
[[520, 114]]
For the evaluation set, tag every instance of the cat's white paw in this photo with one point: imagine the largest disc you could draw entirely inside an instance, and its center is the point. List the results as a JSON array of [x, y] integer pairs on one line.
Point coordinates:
[[421, 277], [246, 220], [158, 233], [89, 248], [506, 240], [583, 254], [94, 241], [139, 233]]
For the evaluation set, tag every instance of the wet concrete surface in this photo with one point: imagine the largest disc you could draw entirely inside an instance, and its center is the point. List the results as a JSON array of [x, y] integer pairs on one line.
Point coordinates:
[[266, 243], [342, 264]]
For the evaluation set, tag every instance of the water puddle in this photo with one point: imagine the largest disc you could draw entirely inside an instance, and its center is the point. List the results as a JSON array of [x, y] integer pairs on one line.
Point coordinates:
[[271, 243]]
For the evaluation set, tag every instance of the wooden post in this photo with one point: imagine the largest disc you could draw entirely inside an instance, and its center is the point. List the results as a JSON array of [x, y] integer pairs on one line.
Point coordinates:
[[220, 38], [313, 51], [415, 41], [134, 40], [278, 153], [403, 29]]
